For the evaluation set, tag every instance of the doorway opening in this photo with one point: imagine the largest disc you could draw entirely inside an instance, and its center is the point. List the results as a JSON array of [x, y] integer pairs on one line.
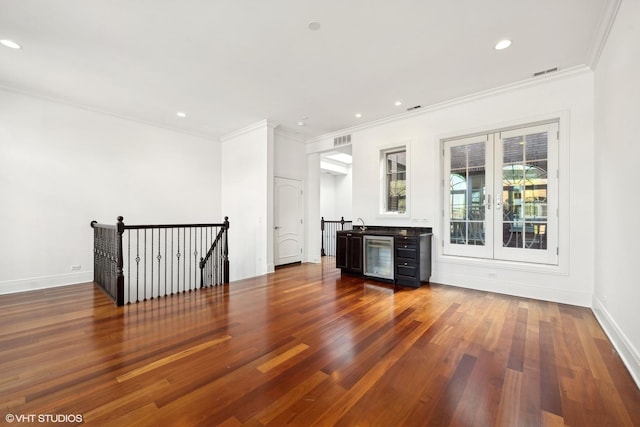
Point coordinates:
[[335, 195]]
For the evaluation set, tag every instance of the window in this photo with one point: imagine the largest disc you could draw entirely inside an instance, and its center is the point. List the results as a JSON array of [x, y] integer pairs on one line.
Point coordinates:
[[395, 181], [501, 195]]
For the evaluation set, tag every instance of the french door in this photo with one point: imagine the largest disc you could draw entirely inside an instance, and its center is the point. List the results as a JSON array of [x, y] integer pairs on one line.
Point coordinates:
[[501, 195]]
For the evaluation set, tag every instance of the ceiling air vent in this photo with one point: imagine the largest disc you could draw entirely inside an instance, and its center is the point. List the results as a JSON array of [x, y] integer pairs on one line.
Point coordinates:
[[543, 72], [415, 107], [342, 140]]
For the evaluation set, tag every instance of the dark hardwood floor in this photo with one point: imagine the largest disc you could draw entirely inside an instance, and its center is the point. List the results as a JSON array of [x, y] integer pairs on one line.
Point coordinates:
[[305, 347]]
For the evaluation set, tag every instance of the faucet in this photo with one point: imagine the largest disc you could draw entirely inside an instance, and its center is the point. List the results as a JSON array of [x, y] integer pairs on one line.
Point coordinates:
[[363, 227]]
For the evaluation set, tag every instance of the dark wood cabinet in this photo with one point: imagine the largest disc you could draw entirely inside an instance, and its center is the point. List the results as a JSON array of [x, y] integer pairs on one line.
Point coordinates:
[[411, 253], [412, 259], [349, 252]]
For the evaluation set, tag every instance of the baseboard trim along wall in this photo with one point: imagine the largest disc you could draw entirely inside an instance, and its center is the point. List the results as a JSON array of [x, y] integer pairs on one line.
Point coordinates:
[[23, 285], [510, 287], [629, 355]]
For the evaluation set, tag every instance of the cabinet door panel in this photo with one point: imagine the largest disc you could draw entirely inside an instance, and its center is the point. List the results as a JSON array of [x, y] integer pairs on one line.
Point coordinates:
[[355, 243], [342, 251]]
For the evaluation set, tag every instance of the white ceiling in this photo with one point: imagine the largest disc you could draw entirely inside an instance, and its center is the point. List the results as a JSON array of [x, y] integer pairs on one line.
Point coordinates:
[[231, 63]]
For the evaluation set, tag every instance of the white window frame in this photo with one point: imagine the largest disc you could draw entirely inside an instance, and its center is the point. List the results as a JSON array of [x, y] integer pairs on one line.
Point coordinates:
[[384, 150]]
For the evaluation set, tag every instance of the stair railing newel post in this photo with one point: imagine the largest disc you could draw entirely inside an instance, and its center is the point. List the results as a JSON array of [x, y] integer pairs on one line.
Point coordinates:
[[96, 269], [201, 272], [322, 252], [342, 221], [119, 262], [225, 253]]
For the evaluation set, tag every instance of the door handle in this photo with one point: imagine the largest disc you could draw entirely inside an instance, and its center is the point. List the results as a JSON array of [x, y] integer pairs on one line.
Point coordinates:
[[489, 202]]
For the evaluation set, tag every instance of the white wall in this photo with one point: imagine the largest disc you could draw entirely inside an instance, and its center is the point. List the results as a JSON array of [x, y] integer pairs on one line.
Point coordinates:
[[247, 198], [344, 195], [312, 209], [569, 96], [62, 167], [336, 195], [616, 201], [328, 196], [290, 159]]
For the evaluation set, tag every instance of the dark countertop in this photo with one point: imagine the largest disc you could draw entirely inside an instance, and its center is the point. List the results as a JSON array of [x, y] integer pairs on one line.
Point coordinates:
[[375, 230]]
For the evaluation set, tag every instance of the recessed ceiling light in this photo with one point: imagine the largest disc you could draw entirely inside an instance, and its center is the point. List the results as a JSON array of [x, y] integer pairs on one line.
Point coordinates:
[[181, 114], [398, 103], [358, 115], [11, 44], [300, 123], [503, 44], [313, 25]]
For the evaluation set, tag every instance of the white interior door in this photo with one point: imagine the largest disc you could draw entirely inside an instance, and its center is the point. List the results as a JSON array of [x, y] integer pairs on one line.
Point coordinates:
[[289, 214]]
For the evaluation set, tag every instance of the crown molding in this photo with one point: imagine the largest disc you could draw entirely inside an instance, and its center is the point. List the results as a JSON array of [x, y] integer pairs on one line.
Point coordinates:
[[533, 81], [602, 35], [255, 126]]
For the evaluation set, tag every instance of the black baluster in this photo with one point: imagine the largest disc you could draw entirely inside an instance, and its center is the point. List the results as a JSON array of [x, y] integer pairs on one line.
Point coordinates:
[[151, 291], [184, 262], [144, 264], [128, 266], [178, 264], [159, 258], [137, 265], [172, 261]]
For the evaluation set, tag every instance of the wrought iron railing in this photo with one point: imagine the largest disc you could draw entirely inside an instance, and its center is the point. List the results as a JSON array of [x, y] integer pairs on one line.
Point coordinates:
[[135, 263], [329, 229]]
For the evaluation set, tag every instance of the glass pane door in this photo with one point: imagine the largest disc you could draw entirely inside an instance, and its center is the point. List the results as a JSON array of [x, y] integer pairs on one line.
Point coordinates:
[[501, 195], [523, 161], [467, 196]]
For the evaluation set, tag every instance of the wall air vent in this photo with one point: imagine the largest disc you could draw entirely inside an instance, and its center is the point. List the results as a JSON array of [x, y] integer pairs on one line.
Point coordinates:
[[342, 140], [415, 107], [543, 72]]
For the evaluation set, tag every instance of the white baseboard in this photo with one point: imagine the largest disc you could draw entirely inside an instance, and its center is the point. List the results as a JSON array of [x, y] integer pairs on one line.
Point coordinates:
[[23, 285], [509, 287], [628, 353]]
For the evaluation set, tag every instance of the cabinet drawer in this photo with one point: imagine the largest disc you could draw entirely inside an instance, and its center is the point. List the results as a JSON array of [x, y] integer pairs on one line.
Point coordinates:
[[406, 270], [407, 251], [406, 240]]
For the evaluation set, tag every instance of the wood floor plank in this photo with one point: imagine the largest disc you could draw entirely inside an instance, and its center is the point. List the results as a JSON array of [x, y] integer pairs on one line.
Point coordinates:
[[516, 353], [169, 359], [306, 346], [508, 412], [121, 403], [550, 400], [284, 404], [446, 407]]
